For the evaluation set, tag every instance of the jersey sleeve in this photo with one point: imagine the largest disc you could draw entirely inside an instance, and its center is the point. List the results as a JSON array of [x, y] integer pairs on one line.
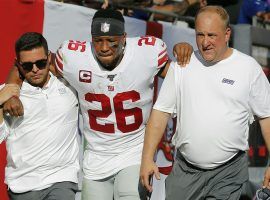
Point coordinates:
[[66, 53], [155, 50], [162, 53], [58, 61]]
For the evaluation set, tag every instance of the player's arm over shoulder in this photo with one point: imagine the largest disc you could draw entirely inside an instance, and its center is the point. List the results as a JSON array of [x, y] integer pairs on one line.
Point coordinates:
[[57, 61], [67, 48], [157, 49]]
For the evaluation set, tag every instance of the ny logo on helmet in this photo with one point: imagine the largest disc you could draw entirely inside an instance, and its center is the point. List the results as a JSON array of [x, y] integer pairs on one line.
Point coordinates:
[[105, 27]]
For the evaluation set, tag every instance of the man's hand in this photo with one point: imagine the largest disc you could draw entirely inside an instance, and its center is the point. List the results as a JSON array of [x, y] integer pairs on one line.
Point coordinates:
[[14, 107], [266, 181], [148, 168], [182, 52], [8, 91]]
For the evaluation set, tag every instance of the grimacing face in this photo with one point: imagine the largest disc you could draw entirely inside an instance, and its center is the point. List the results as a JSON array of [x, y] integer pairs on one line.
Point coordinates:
[[211, 36], [109, 49], [37, 77]]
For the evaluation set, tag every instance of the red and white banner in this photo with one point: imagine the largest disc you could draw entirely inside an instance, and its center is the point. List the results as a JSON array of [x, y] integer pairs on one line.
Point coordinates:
[[59, 22]]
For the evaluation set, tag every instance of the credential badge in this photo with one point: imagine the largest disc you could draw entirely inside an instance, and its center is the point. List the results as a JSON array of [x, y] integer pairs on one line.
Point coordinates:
[[105, 27]]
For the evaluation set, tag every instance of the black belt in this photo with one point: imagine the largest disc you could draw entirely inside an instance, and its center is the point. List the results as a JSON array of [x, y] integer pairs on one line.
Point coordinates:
[[179, 156]]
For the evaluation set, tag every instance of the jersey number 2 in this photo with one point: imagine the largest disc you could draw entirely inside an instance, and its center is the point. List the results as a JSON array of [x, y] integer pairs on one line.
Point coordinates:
[[120, 112]]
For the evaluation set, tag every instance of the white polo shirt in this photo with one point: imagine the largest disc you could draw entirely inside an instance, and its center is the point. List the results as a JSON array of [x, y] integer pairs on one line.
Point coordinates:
[[42, 145], [214, 106]]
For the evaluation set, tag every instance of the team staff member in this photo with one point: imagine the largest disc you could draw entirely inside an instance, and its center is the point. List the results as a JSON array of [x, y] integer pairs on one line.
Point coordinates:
[[42, 145], [214, 97]]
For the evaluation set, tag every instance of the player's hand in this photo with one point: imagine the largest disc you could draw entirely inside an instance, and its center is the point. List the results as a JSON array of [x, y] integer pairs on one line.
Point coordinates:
[[266, 181], [182, 52], [14, 107], [148, 168], [8, 91]]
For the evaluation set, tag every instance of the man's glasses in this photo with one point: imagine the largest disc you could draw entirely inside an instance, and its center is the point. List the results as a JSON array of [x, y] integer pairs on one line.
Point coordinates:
[[28, 66]]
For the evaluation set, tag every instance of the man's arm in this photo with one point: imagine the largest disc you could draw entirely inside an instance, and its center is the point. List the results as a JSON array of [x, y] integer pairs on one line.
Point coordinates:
[[156, 125], [14, 76], [13, 106], [265, 127], [8, 91], [154, 132], [182, 52], [53, 67]]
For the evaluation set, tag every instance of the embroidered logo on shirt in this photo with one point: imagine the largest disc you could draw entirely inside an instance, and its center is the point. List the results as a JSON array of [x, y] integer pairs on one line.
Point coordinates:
[[110, 88], [228, 81], [85, 76], [62, 90]]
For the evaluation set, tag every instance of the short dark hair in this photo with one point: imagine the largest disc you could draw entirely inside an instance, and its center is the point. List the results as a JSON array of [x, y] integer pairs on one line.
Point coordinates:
[[29, 41], [109, 13]]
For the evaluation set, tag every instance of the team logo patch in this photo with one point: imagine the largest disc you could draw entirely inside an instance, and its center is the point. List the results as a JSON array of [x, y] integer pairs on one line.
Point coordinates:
[[85, 76], [105, 27], [110, 88], [62, 90], [228, 81]]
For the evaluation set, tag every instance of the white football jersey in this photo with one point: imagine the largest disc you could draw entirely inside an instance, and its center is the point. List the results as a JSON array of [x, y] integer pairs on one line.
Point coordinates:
[[115, 104]]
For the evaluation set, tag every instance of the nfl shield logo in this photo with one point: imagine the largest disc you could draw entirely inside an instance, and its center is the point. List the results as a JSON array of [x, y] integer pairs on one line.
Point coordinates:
[[105, 27]]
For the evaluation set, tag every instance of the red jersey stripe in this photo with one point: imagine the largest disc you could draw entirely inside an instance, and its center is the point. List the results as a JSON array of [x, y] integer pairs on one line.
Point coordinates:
[[58, 55], [165, 170], [162, 60], [162, 52], [58, 64]]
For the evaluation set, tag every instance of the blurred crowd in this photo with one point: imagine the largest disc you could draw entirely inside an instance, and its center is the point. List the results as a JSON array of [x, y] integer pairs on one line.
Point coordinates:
[[240, 11]]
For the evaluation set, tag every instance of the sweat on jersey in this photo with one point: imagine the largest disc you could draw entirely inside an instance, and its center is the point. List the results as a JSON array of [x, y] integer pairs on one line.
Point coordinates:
[[115, 104]]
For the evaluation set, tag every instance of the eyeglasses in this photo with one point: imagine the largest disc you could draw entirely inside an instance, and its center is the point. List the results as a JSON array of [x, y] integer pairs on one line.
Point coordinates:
[[28, 66]]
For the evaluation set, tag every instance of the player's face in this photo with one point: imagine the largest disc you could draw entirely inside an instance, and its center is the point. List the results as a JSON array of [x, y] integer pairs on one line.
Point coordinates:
[[109, 50], [211, 36], [34, 66]]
